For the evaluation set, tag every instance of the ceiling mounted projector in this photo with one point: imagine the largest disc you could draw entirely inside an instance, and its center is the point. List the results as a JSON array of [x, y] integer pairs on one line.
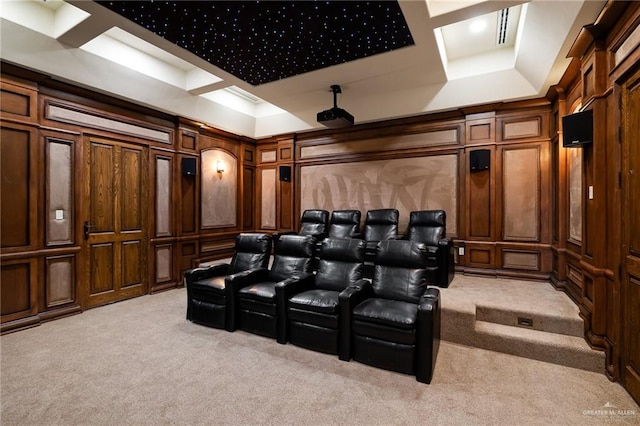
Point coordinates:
[[335, 117]]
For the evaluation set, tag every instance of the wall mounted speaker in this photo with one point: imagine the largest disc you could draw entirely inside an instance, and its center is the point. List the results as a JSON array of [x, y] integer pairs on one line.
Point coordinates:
[[285, 173], [479, 160], [188, 166], [577, 129]]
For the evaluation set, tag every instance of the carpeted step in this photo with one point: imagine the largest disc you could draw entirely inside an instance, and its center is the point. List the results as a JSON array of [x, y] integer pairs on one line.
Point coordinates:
[[570, 351], [535, 320]]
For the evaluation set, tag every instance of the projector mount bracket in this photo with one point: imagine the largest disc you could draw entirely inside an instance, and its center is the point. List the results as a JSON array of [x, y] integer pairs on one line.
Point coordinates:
[[335, 89]]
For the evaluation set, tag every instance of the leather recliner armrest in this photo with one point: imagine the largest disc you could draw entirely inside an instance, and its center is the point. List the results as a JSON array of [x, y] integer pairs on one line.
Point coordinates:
[[428, 334], [445, 262], [294, 285], [235, 282], [200, 273], [349, 298], [284, 290], [195, 274]]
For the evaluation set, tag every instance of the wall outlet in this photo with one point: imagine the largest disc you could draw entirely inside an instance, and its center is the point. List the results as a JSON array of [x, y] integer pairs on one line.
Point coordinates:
[[460, 251], [59, 214]]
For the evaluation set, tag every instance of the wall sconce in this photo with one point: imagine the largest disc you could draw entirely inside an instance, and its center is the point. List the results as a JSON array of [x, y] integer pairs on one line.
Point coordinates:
[[219, 166]]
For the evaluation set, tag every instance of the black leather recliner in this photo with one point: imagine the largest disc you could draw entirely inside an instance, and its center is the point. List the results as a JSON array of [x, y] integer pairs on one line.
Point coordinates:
[[430, 227], [379, 225], [345, 224], [208, 288], [394, 322], [254, 295], [309, 312], [314, 223]]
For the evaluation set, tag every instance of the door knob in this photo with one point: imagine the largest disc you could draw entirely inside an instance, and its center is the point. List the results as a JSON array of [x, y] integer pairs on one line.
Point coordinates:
[[87, 227]]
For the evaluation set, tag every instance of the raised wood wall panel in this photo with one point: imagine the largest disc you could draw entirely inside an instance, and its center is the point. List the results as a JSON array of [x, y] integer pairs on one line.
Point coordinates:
[[189, 199], [188, 251], [188, 140], [286, 219], [480, 255], [521, 259], [522, 127], [18, 289], [18, 187], [163, 262], [221, 246], [60, 190], [163, 195], [219, 190], [574, 274], [481, 130], [591, 217], [521, 208], [248, 194], [268, 156], [443, 135], [588, 80], [588, 291], [267, 185], [286, 153], [15, 103], [60, 280], [18, 101], [285, 189], [479, 201], [77, 115], [574, 176], [249, 156], [247, 187]]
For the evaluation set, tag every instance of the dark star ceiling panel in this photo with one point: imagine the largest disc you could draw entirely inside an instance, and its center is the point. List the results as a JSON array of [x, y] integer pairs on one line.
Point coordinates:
[[260, 42]]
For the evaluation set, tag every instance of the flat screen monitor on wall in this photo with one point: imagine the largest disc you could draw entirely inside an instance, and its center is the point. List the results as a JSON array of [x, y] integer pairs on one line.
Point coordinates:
[[577, 129]]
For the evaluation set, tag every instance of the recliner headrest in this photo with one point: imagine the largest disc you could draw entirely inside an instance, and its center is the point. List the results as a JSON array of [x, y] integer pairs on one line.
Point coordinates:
[[295, 245], [401, 254], [382, 216], [428, 218], [318, 216], [346, 216], [343, 249], [253, 243]]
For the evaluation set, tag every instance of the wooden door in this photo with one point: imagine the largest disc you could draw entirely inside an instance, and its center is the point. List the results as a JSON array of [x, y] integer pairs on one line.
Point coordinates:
[[115, 230], [630, 282]]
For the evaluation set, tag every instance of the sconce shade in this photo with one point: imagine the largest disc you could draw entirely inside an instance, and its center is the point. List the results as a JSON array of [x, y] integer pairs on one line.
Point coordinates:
[[220, 166]]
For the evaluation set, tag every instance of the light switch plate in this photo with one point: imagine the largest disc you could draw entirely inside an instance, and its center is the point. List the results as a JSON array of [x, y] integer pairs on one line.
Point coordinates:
[[59, 214], [461, 251], [590, 192]]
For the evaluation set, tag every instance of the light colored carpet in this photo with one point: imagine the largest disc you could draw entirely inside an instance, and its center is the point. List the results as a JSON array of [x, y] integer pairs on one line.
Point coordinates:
[[484, 312], [139, 362]]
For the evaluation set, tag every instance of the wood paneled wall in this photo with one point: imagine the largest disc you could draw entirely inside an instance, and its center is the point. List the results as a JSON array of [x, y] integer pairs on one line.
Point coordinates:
[[592, 260], [499, 218], [49, 187]]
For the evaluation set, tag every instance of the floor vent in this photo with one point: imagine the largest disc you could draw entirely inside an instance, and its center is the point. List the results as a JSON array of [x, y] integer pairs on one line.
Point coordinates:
[[525, 322]]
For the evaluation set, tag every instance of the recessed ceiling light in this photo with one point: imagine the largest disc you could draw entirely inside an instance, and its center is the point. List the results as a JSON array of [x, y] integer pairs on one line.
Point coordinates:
[[477, 25]]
